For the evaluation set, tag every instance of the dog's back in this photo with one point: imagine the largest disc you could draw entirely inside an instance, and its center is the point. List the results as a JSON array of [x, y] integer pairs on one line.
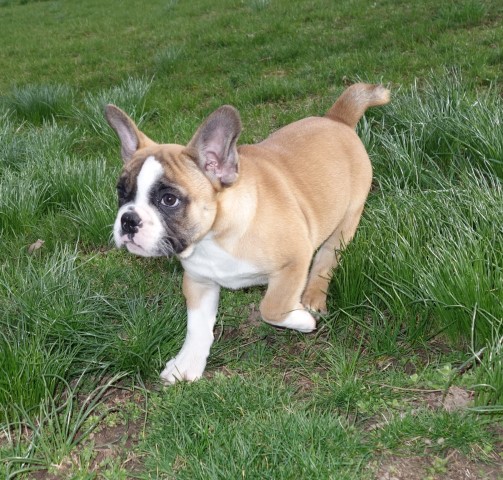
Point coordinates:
[[324, 158]]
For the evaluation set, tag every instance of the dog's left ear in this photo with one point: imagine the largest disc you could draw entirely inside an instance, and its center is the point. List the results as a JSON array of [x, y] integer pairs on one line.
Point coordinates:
[[213, 146]]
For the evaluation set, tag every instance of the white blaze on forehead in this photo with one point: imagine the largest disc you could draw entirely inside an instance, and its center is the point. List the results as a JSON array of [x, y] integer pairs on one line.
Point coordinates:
[[150, 173]]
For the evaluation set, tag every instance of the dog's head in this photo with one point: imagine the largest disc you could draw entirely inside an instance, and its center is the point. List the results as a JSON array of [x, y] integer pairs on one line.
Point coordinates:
[[168, 194]]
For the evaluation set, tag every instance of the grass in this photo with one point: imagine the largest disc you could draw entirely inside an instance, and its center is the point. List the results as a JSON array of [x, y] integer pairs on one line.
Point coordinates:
[[39, 103], [250, 427], [415, 307]]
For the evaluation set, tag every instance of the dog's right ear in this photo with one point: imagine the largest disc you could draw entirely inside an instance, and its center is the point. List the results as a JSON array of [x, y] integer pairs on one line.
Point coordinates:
[[130, 137]]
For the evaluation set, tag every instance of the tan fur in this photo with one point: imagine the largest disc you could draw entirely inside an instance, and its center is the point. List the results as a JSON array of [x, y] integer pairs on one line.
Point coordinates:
[[351, 106], [303, 199], [300, 190]]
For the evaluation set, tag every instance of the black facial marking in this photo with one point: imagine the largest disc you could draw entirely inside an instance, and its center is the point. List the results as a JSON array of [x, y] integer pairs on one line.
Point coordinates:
[[125, 191], [169, 200], [173, 244], [172, 205]]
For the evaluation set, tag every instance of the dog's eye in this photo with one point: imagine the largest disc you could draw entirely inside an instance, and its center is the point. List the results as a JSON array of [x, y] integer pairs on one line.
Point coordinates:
[[170, 200]]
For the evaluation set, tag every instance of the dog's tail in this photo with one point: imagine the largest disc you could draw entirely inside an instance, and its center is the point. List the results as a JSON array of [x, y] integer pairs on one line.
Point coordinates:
[[353, 102]]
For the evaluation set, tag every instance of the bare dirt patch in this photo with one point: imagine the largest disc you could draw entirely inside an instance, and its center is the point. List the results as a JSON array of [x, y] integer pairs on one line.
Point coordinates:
[[454, 466], [110, 445]]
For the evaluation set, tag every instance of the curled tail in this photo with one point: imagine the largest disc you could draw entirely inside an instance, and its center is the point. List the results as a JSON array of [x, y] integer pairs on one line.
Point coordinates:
[[353, 102]]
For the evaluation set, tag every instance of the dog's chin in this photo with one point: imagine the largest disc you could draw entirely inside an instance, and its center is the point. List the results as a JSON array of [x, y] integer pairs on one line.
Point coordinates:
[[138, 250], [144, 246], [164, 249]]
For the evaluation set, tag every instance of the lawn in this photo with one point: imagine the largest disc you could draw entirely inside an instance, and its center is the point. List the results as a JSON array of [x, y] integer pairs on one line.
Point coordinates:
[[404, 376]]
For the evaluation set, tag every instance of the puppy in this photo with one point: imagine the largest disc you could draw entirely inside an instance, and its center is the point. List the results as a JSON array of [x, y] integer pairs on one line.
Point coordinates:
[[246, 215]]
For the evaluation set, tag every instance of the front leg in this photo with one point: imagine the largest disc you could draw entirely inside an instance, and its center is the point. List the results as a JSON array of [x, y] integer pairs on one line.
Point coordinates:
[[202, 305]]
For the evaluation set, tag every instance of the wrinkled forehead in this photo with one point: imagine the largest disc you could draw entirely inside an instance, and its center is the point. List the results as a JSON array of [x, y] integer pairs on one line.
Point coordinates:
[[140, 173], [166, 155], [153, 165], [149, 175]]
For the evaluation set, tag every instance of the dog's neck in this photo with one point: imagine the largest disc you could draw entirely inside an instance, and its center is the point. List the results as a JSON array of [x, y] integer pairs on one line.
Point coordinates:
[[236, 209]]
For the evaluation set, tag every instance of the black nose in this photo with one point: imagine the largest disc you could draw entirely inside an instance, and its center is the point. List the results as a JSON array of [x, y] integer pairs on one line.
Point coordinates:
[[130, 222]]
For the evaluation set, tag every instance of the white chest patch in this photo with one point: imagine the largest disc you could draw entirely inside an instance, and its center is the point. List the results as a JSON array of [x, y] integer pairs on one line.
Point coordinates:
[[211, 262]]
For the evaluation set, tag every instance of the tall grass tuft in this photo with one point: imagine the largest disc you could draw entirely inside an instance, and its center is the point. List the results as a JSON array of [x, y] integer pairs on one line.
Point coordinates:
[[12, 146], [465, 13], [259, 4], [30, 368], [90, 212], [130, 96], [41, 176], [45, 437], [429, 252], [489, 371], [59, 306], [39, 103], [22, 202], [148, 332], [32, 304], [24, 146], [423, 262], [434, 132], [167, 59]]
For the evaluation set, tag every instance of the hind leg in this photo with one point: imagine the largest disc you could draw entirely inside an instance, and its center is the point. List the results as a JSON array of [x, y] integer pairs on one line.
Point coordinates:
[[326, 259], [281, 304]]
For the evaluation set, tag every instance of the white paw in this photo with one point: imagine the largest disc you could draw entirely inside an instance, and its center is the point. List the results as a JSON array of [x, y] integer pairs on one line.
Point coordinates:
[[300, 320], [187, 366]]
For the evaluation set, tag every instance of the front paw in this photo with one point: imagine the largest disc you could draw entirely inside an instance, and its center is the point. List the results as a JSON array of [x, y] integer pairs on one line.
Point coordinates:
[[185, 366]]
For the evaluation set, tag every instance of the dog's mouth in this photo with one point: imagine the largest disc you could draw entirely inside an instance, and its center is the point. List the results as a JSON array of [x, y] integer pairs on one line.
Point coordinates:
[[131, 244], [167, 248], [152, 240]]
